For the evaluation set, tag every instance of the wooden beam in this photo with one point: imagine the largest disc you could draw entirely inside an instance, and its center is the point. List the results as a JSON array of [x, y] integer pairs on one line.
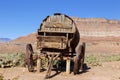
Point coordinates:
[[68, 66], [38, 65]]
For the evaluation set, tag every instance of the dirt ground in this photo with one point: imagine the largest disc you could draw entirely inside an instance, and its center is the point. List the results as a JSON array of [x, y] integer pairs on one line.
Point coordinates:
[[108, 71]]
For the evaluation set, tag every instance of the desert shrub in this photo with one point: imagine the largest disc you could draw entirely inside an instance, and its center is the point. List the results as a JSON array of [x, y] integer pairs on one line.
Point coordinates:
[[92, 60], [110, 58], [15, 59], [15, 78], [96, 60]]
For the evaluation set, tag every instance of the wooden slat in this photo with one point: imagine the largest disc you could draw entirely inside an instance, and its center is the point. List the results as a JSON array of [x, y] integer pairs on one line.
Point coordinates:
[[38, 65], [68, 66], [55, 31]]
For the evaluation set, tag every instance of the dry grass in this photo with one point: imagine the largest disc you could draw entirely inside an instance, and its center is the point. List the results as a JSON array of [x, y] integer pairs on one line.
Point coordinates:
[[1, 77], [97, 60], [15, 59]]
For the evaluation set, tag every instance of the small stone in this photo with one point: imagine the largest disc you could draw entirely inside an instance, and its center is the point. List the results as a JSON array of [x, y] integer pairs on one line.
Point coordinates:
[[2, 66], [119, 78], [117, 67]]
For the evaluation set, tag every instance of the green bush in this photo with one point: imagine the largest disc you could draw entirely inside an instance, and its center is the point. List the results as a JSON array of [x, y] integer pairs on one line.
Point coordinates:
[[96, 60], [15, 59], [92, 60]]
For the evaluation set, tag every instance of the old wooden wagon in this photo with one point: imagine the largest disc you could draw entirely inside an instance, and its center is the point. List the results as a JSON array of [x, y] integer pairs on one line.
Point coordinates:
[[57, 39]]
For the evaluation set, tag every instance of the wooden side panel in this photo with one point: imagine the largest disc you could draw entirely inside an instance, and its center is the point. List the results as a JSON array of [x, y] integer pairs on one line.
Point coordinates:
[[52, 42]]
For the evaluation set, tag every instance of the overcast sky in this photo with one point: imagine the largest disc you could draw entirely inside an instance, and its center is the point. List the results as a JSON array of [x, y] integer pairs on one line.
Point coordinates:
[[22, 17]]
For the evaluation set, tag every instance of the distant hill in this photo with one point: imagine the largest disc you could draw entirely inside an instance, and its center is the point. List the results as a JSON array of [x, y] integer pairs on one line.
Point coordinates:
[[31, 38], [91, 29], [4, 39]]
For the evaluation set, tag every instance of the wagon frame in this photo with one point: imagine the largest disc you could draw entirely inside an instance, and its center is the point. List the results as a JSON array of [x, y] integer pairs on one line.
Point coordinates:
[[57, 38]]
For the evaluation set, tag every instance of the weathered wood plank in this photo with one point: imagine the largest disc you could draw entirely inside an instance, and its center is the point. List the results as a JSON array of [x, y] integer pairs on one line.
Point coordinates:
[[68, 66], [38, 65]]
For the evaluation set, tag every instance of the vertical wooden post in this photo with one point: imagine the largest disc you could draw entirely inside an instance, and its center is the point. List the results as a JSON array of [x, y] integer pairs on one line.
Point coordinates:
[[50, 67], [68, 66], [38, 65], [46, 64]]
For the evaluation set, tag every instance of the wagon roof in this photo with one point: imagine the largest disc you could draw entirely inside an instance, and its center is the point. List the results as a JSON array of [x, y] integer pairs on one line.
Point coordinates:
[[57, 21]]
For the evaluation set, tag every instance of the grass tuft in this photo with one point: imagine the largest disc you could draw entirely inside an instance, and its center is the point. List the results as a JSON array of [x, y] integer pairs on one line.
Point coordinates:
[[1, 77], [15, 59], [95, 60]]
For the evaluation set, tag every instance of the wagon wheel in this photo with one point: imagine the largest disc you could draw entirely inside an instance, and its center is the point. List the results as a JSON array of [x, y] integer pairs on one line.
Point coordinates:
[[83, 56], [29, 57], [79, 59]]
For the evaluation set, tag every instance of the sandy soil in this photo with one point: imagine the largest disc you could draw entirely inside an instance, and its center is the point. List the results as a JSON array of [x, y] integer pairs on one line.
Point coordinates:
[[108, 71]]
